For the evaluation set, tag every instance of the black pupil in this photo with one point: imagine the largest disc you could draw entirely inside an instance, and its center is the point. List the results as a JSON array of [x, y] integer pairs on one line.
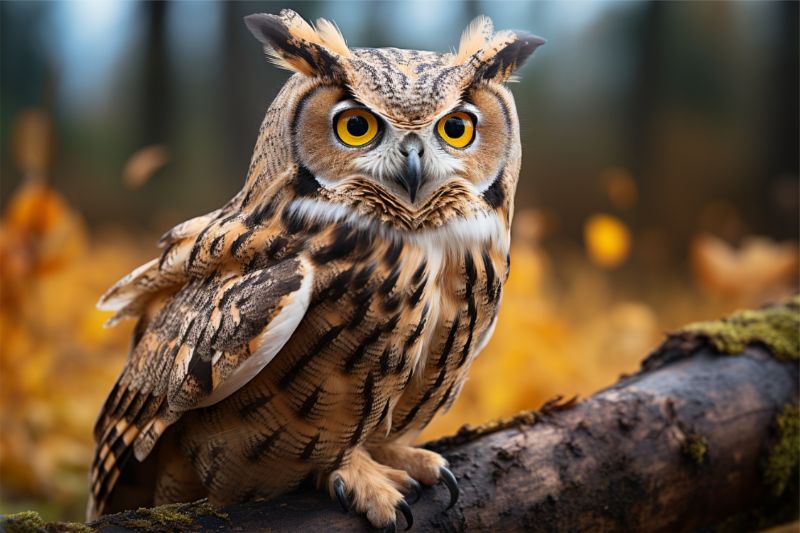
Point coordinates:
[[454, 127], [357, 126]]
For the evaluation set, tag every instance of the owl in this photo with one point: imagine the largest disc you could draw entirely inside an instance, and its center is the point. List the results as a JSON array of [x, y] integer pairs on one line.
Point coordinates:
[[310, 328]]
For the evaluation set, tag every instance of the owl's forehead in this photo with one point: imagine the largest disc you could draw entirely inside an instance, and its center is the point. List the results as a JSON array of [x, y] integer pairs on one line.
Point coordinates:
[[409, 87]]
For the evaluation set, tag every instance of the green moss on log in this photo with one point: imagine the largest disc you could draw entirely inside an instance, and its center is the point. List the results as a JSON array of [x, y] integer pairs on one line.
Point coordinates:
[[777, 327], [68, 527], [24, 522], [784, 455], [695, 448], [31, 522], [168, 515], [175, 517]]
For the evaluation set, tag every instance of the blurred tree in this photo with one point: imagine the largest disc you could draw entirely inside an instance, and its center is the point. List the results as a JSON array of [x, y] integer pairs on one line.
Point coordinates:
[[241, 83], [24, 79], [645, 89], [782, 133], [157, 87]]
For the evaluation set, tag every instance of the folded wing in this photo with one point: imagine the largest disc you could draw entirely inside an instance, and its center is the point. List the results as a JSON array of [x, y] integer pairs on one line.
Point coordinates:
[[193, 347]]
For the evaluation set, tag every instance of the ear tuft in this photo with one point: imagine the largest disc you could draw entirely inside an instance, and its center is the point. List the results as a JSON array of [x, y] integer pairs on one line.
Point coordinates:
[[511, 56], [331, 37], [474, 38], [292, 43], [494, 56]]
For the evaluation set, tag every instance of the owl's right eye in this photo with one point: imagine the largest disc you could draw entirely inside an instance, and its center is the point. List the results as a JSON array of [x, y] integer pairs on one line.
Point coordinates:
[[356, 127], [457, 129]]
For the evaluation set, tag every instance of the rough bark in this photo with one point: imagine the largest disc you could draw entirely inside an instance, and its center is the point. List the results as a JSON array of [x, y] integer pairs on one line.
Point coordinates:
[[690, 442]]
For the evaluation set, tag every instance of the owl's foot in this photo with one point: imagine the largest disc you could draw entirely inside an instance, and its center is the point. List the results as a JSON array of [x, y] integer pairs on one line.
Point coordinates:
[[425, 466], [372, 489]]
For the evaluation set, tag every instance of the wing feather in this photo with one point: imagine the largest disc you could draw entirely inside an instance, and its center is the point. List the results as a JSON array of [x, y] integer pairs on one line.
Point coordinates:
[[193, 249], [207, 340]]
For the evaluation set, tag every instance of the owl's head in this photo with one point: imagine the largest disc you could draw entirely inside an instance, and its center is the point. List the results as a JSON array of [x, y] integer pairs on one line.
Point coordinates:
[[410, 138]]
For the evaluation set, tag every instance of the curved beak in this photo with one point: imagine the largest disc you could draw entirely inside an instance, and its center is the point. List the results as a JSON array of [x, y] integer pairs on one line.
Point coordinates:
[[413, 174]]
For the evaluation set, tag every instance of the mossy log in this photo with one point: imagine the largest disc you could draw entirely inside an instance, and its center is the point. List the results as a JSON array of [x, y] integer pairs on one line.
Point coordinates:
[[699, 438]]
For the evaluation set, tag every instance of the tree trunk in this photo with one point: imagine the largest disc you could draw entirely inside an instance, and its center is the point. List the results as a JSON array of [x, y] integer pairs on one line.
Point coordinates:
[[697, 439]]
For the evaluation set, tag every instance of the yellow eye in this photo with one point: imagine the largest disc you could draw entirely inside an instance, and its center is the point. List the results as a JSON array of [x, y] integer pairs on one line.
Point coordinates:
[[457, 129], [356, 127]]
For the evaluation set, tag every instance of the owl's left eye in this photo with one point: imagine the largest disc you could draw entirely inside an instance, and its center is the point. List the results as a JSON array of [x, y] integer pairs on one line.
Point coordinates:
[[356, 127], [456, 129]]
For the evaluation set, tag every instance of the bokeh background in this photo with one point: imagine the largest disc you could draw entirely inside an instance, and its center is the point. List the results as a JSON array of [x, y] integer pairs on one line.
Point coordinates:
[[659, 186]]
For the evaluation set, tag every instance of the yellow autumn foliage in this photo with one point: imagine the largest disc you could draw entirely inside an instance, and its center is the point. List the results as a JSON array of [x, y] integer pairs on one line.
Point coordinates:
[[56, 359], [608, 240]]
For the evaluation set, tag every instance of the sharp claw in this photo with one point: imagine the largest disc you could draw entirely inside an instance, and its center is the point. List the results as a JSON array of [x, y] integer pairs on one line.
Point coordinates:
[[338, 488], [416, 488], [452, 485], [390, 528], [406, 510]]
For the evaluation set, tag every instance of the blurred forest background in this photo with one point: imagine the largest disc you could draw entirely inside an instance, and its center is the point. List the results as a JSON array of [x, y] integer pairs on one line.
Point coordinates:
[[659, 186]]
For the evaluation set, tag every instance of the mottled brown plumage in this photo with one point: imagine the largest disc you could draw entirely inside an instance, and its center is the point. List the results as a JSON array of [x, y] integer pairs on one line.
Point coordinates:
[[312, 327]]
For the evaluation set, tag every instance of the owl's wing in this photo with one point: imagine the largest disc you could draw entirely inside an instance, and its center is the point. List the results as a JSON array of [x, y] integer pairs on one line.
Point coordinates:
[[205, 341]]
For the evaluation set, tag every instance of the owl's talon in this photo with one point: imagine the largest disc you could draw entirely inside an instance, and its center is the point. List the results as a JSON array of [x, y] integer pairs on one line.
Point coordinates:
[[341, 495], [390, 528], [404, 508], [416, 489], [452, 485]]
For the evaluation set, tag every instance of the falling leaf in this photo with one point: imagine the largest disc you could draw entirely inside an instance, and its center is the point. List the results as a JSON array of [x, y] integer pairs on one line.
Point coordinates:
[[758, 271], [143, 164]]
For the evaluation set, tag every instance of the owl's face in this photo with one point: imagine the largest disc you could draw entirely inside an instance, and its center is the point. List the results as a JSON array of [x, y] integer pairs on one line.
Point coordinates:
[[340, 138], [401, 135]]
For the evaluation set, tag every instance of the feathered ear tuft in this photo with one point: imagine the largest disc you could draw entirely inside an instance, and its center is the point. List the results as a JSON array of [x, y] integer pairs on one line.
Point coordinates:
[[474, 38], [331, 37], [292, 43], [494, 56]]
